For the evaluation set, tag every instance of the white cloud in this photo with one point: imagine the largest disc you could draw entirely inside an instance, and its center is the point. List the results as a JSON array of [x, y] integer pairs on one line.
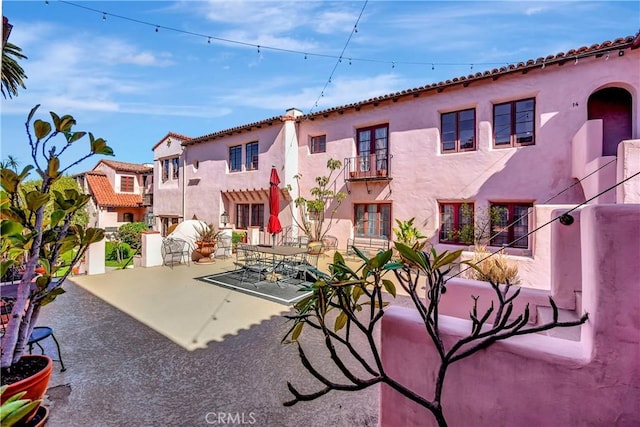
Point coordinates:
[[340, 92]]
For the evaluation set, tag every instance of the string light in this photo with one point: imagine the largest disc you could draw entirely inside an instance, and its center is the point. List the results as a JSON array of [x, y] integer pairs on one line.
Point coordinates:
[[471, 68], [209, 40], [393, 65], [305, 56], [258, 49], [576, 61], [274, 48], [104, 16]]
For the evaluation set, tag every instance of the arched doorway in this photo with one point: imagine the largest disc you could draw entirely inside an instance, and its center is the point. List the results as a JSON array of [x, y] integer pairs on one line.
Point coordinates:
[[613, 106]]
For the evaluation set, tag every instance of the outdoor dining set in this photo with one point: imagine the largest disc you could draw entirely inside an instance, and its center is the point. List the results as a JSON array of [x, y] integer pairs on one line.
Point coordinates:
[[277, 263]]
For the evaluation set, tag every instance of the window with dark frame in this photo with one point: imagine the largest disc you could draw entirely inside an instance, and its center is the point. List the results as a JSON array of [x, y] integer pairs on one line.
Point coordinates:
[[456, 223], [458, 131], [249, 215], [235, 158], [318, 144], [165, 170], [514, 123], [252, 156], [127, 217], [510, 224], [373, 141], [126, 184], [175, 162], [372, 220]]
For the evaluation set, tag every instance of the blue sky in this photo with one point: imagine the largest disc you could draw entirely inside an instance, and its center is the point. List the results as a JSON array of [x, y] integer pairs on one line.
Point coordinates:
[[130, 84]]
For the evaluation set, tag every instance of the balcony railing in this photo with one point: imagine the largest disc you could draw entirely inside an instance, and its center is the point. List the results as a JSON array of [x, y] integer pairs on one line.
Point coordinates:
[[368, 167], [147, 199]]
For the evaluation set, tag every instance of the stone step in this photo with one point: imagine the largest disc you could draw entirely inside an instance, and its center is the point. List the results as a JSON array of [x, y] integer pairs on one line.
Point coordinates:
[[545, 315]]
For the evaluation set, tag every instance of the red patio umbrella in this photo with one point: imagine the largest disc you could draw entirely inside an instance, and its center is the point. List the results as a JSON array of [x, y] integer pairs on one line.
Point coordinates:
[[274, 225]]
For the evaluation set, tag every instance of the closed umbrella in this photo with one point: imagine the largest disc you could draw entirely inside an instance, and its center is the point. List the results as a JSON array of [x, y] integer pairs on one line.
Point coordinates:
[[274, 225]]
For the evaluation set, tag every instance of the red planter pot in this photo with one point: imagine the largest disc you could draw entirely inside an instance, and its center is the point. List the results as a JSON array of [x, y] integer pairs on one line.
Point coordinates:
[[35, 385]]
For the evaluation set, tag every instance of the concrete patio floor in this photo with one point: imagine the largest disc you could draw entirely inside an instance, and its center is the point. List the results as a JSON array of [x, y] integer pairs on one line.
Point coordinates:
[[155, 347]]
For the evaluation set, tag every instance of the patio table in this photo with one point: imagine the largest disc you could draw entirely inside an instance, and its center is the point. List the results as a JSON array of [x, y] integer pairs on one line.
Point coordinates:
[[280, 254]]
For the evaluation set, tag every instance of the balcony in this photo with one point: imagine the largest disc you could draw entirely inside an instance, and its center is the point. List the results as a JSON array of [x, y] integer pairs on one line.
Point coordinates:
[[147, 199], [369, 167]]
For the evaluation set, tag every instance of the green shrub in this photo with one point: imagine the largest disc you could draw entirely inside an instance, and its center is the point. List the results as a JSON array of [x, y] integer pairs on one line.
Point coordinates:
[[237, 236], [111, 251], [130, 233]]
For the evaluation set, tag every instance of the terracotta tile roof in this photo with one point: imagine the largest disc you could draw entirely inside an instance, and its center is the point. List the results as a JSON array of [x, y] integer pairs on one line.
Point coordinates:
[[231, 131], [596, 50], [105, 196], [521, 67], [170, 134], [126, 167]]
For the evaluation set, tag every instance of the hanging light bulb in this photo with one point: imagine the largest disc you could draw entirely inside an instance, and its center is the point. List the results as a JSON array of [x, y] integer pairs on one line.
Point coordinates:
[[433, 67], [209, 41], [104, 16], [349, 61], [393, 65], [157, 28], [305, 56]]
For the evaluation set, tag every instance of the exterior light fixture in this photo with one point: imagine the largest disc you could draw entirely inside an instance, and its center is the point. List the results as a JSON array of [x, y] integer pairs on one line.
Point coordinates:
[[149, 219], [224, 218], [566, 219]]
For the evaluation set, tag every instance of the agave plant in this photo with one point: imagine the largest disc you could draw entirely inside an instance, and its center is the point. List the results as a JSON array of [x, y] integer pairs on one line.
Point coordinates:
[[14, 409], [33, 238]]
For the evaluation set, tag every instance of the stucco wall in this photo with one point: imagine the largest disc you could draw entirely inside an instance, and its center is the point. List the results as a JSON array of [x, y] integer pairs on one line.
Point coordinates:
[[167, 199], [537, 379]]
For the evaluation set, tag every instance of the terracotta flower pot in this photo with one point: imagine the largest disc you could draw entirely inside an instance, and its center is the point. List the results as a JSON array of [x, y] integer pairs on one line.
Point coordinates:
[[206, 248], [35, 385], [315, 247]]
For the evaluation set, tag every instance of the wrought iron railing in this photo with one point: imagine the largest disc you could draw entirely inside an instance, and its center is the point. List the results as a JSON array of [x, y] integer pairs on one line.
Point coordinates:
[[368, 166]]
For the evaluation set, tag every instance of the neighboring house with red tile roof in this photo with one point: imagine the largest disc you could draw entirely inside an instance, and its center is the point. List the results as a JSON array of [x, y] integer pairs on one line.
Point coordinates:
[[120, 193]]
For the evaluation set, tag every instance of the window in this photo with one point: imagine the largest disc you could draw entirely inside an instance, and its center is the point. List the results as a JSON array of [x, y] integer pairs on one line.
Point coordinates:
[[176, 167], [165, 170], [126, 184], [456, 223], [127, 217], [459, 131], [249, 215], [318, 144], [509, 224], [513, 123], [252, 156], [235, 158], [373, 220], [373, 145]]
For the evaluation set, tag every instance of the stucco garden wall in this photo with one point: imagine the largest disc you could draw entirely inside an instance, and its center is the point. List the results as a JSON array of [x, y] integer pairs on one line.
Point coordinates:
[[539, 380]]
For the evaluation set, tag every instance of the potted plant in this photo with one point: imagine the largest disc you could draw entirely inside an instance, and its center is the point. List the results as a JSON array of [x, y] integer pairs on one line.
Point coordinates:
[[315, 217], [32, 235], [206, 239]]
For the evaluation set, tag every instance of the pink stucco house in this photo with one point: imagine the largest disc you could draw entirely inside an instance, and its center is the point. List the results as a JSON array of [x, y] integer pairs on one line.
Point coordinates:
[[526, 139], [120, 193]]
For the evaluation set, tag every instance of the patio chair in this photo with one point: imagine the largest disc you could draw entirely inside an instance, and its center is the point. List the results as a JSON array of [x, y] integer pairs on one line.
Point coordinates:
[[174, 250], [250, 261], [224, 246], [38, 334]]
